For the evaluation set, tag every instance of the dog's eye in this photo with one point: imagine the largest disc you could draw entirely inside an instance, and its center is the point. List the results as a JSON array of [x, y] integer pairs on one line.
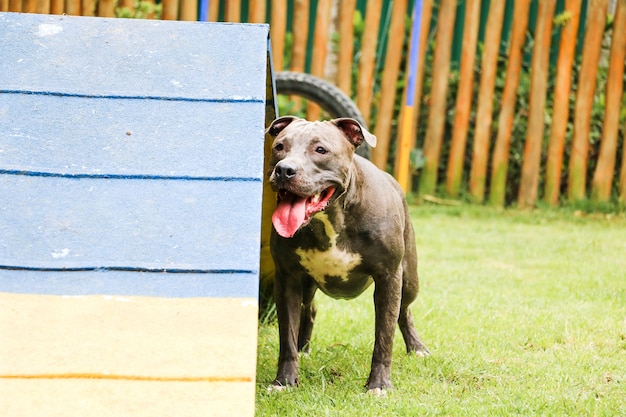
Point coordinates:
[[320, 150], [279, 147]]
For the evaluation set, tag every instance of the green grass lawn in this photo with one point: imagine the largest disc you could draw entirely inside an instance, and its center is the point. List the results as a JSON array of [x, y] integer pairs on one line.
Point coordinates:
[[524, 314]]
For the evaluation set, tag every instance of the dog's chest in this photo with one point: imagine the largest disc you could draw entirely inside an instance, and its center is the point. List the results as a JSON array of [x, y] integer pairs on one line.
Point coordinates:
[[333, 267]]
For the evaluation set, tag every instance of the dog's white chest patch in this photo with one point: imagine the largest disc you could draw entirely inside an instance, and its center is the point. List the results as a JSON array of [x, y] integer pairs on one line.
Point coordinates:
[[333, 262]]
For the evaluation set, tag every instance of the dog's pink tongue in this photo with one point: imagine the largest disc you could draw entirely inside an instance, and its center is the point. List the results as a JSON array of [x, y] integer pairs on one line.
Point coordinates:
[[289, 215]]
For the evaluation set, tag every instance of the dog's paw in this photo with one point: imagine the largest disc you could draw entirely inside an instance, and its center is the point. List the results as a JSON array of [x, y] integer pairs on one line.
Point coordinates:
[[421, 353], [377, 392], [277, 388]]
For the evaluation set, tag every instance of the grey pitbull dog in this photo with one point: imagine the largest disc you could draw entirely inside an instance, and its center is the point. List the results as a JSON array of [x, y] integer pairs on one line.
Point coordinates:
[[340, 225]]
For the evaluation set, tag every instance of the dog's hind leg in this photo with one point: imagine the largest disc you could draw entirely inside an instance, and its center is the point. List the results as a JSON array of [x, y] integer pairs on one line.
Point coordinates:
[[411, 339]]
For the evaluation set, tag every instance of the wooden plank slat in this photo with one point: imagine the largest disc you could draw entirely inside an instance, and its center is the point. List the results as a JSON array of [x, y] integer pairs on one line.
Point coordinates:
[[464, 97], [576, 187], [367, 60], [482, 133], [122, 137], [188, 10], [603, 175], [57, 7], [345, 55], [88, 7], [560, 114], [278, 29], [43, 6], [300, 34], [169, 9], [320, 45], [167, 69], [529, 182], [214, 8], [232, 11], [436, 117], [106, 8], [427, 8], [73, 7], [391, 70], [500, 161], [29, 6], [128, 223], [622, 175], [256, 12], [15, 5]]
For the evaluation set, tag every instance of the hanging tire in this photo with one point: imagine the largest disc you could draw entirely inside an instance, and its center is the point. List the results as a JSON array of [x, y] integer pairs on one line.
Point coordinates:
[[326, 95]]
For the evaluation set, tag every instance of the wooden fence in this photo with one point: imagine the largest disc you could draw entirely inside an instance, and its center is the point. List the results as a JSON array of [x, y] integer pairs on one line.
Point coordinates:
[[472, 153]]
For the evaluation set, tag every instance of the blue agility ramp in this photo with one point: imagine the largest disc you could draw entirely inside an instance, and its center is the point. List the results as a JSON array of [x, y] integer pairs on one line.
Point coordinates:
[[131, 177]]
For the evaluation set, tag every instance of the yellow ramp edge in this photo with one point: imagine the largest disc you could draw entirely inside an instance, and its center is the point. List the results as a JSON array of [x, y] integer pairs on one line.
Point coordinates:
[[91, 355]]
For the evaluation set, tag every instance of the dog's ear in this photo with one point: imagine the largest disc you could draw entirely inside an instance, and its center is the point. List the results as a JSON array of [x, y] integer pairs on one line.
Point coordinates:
[[355, 133], [279, 124]]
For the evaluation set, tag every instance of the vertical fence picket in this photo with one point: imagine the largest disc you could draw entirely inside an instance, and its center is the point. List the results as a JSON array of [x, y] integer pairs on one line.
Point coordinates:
[[502, 146], [584, 99], [106, 8], [538, 89], [393, 58], [368, 58], [188, 10], [437, 114], [169, 9], [57, 6], [73, 7], [300, 36], [256, 11], [485, 100], [88, 7], [300, 33], [232, 11], [603, 175], [43, 6], [622, 175], [214, 9], [560, 113], [464, 97], [345, 53], [320, 43], [15, 5], [427, 9], [278, 20], [30, 6]]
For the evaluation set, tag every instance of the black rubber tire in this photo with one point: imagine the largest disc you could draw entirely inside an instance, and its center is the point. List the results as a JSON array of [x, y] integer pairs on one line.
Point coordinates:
[[329, 97]]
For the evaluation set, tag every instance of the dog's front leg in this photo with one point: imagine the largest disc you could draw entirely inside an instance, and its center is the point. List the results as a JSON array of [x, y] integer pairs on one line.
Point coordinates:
[[387, 304], [288, 296]]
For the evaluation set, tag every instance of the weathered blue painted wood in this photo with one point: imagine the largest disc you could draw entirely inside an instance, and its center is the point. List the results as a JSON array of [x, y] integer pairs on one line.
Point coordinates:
[[131, 156], [122, 283], [122, 223], [77, 135], [132, 58]]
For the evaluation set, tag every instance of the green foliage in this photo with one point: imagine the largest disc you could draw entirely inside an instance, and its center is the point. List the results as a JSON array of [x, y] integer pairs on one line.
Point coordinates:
[[142, 9]]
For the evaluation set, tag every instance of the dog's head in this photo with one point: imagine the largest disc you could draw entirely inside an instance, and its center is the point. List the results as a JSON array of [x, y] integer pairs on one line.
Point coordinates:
[[310, 166]]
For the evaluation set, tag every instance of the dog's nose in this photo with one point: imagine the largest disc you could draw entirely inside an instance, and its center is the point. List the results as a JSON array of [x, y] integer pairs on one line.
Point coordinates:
[[285, 171]]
